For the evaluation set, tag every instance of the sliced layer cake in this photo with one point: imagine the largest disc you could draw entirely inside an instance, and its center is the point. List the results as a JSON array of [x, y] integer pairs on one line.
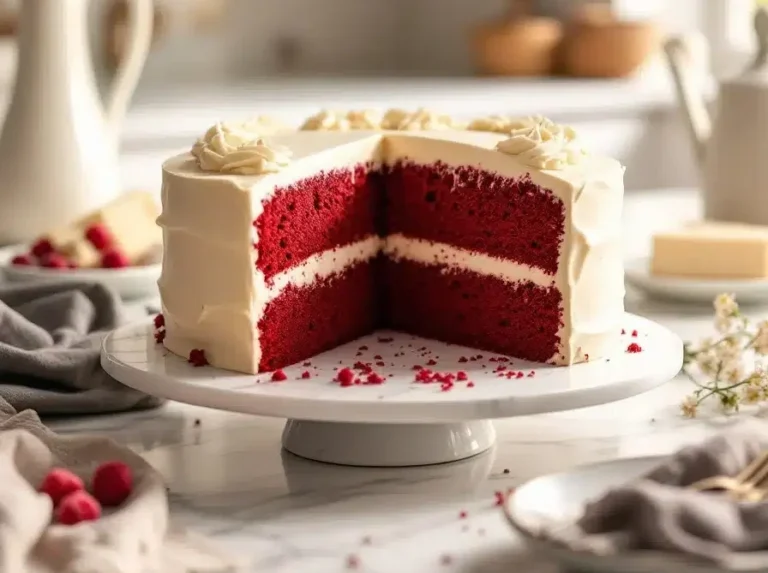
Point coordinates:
[[276, 250]]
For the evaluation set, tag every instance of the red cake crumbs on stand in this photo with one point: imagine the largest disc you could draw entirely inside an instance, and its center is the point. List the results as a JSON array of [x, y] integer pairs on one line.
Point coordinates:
[[279, 376], [634, 348], [197, 357]]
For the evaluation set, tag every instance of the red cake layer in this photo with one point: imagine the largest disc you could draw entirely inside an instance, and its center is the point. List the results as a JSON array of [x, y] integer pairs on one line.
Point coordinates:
[[303, 322], [466, 207], [324, 211], [463, 307]]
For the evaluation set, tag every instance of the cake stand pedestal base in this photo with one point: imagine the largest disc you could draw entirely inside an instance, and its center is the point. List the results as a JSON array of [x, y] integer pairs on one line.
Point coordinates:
[[387, 445]]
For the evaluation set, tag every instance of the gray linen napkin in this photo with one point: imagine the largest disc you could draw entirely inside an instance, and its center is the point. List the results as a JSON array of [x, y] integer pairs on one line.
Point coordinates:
[[135, 538], [50, 339], [656, 512]]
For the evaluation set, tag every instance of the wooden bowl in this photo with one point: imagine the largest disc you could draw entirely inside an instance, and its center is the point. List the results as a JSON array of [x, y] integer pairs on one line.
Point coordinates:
[[607, 49], [521, 47]]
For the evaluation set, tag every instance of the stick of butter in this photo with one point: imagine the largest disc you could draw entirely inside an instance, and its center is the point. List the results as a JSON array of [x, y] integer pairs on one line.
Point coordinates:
[[712, 250]]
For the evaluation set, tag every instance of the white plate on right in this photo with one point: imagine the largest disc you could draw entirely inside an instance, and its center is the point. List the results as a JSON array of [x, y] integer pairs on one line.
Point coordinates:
[[748, 291], [560, 498]]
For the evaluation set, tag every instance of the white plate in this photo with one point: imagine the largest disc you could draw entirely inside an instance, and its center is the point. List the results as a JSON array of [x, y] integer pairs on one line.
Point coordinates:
[[559, 498], [638, 275], [399, 422], [129, 283]]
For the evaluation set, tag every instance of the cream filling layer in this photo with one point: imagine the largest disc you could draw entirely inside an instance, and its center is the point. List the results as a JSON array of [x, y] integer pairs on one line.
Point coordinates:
[[335, 261]]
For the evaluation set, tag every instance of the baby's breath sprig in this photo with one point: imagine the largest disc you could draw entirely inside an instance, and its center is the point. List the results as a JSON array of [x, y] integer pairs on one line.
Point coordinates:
[[718, 366]]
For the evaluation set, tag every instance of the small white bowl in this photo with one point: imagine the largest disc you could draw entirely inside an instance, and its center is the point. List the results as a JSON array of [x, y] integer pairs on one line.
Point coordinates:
[[130, 283]]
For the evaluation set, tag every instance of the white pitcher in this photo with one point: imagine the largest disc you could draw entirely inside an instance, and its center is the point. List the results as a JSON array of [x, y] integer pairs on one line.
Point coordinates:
[[59, 145]]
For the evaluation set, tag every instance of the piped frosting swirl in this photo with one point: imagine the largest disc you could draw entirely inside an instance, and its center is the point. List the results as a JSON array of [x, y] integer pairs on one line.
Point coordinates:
[[541, 143], [239, 149]]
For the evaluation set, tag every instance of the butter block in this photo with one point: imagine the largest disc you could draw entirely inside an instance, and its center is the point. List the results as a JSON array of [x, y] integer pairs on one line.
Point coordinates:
[[712, 250]]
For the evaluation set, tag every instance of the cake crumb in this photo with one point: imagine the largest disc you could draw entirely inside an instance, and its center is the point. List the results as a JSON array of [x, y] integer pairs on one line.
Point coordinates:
[[197, 358], [634, 348], [345, 377], [305, 374]]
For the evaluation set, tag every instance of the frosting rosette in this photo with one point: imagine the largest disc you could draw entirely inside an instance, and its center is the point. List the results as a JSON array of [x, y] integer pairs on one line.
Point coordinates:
[[541, 143], [234, 148]]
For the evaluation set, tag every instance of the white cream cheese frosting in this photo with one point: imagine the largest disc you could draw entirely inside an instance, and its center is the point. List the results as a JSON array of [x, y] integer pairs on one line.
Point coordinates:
[[234, 148], [541, 143], [372, 120], [212, 297]]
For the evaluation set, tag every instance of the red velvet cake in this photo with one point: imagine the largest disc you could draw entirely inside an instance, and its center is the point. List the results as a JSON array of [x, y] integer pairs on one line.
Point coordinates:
[[277, 250]]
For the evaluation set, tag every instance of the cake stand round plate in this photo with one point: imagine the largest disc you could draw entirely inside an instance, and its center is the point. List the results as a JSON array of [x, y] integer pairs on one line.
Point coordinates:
[[399, 422]]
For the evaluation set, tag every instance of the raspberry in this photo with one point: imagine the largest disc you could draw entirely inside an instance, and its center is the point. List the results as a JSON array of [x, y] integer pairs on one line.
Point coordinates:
[[279, 376], [159, 321], [54, 261], [59, 483], [114, 259], [21, 260], [99, 236], [78, 506], [42, 247], [112, 483]]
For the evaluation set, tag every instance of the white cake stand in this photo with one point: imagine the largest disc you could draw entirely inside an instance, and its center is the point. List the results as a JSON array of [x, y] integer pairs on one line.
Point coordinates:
[[400, 422]]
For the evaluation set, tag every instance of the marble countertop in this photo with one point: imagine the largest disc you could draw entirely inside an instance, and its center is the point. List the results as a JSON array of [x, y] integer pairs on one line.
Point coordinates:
[[229, 479]]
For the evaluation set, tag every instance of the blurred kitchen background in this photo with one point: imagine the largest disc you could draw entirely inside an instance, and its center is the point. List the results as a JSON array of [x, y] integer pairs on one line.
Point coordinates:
[[595, 65]]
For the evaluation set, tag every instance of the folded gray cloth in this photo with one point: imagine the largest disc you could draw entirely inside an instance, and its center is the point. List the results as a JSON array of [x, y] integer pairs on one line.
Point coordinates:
[[50, 340], [657, 512], [135, 537]]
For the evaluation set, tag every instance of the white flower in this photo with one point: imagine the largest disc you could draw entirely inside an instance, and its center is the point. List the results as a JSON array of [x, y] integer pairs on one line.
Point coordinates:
[[689, 407], [733, 371], [708, 362], [761, 338], [752, 394], [725, 305], [726, 310]]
